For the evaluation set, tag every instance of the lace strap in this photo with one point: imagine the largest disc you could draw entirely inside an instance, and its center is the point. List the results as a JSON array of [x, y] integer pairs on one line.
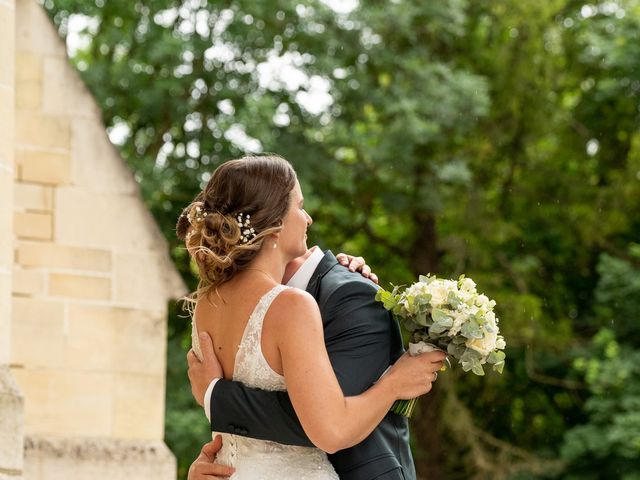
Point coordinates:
[[254, 326], [195, 340]]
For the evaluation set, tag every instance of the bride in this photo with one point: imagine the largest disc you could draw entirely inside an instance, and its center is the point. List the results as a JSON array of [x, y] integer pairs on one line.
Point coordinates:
[[248, 224]]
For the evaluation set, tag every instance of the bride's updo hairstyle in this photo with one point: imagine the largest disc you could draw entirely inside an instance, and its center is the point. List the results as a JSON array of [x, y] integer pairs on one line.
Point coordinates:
[[225, 227]]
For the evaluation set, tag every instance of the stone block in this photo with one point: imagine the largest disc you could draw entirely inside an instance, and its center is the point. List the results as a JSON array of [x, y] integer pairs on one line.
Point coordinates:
[[28, 282], [90, 337], [44, 166], [97, 164], [7, 129], [7, 40], [139, 406], [117, 339], [28, 95], [79, 286], [48, 255], [34, 31], [37, 333], [11, 423], [139, 345], [33, 197], [29, 81], [64, 93], [44, 131], [5, 316], [124, 224], [6, 219], [139, 280], [119, 221], [28, 67], [71, 403], [63, 458], [33, 225]]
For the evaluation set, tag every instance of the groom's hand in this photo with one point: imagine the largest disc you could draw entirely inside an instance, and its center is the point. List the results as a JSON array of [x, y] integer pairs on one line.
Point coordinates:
[[357, 264], [202, 373], [204, 467]]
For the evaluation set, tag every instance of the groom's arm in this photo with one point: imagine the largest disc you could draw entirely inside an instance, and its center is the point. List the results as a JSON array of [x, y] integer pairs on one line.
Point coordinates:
[[358, 333], [255, 413]]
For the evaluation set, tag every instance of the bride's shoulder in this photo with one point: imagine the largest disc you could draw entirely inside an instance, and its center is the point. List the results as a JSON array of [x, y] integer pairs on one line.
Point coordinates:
[[293, 302], [294, 297]]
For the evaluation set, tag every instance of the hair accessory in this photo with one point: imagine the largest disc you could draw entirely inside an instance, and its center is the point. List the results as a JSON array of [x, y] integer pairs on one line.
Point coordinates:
[[196, 215], [247, 233]]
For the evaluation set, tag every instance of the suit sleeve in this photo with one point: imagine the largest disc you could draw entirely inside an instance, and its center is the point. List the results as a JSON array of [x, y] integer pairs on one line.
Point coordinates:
[[358, 337], [255, 413]]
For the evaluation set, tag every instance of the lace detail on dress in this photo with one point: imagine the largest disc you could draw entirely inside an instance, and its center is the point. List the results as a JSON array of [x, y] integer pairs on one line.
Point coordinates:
[[260, 459], [251, 368]]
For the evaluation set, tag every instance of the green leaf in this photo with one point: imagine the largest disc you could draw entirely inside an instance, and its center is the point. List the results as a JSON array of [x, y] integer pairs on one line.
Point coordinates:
[[496, 356], [471, 330], [477, 369], [437, 328], [440, 317]]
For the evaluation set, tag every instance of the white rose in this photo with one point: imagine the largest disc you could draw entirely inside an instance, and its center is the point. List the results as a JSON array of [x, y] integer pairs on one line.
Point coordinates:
[[439, 293], [466, 297], [490, 316], [467, 284], [482, 300], [484, 346]]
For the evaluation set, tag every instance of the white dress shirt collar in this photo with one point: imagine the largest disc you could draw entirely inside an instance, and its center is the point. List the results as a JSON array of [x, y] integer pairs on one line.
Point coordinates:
[[302, 277]]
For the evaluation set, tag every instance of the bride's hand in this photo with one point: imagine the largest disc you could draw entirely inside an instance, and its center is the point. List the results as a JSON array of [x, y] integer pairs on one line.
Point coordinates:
[[201, 374], [205, 468], [411, 377], [357, 264]]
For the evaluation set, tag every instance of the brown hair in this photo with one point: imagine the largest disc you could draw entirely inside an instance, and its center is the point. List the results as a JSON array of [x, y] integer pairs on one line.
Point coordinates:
[[259, 186]]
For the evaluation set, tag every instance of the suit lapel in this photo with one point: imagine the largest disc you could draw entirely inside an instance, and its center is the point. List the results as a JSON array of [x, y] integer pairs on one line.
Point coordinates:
[[326, 264]]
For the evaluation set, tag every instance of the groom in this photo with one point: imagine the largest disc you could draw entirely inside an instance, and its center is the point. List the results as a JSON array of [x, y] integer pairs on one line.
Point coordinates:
[[362, 340]]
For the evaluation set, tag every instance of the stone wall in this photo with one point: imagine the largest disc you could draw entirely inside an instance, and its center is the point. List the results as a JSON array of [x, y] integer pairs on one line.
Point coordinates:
[[11, 402], [96, 459], [90, 278]]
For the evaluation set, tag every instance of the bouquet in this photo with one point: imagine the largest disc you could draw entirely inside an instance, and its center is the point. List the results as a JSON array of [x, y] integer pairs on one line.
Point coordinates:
[[447, 315]]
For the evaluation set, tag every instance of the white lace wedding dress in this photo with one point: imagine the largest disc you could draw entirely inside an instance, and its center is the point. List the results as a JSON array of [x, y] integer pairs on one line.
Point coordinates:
[[259, 459]]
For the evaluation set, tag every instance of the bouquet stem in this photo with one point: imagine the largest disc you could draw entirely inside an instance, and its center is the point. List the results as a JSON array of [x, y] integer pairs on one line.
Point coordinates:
[[404, 407]]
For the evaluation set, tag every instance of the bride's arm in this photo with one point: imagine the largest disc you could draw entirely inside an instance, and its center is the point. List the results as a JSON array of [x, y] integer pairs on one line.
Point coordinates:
[[331, 420]]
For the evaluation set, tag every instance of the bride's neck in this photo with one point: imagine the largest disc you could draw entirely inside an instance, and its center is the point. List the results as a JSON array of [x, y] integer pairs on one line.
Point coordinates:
[[270, 262]]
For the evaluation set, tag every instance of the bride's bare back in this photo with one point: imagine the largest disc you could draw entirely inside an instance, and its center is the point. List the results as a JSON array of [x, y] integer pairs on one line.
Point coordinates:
[[224, 317]]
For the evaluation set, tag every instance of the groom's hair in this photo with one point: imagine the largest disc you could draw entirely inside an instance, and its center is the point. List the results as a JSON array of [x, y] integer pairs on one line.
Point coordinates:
[[255, 187]]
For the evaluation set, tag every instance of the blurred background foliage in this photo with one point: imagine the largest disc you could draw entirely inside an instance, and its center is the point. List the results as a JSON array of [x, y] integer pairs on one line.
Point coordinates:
[[499, 138]]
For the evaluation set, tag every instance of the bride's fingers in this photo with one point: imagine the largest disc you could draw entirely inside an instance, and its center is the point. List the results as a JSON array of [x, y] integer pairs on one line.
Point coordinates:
[[214, 470], [206, 345], [351, 262], [357, 263], [343, 258], [210, 449], [191, 358]]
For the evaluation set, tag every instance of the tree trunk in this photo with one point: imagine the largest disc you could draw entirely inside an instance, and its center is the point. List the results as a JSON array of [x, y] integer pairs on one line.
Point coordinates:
[[428, 451], [424, 249]]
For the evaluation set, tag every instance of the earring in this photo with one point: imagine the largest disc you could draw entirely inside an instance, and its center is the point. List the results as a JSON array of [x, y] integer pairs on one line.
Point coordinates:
[[275, 244]]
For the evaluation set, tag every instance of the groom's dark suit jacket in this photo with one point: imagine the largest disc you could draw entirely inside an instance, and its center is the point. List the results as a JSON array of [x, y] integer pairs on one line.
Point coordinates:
[[362, 340]]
